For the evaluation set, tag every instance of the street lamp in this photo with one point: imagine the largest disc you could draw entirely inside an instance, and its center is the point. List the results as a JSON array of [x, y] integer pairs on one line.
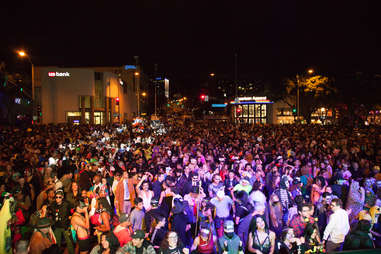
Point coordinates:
[[144, 94], [212, 74], [310, 71], [21, 53]]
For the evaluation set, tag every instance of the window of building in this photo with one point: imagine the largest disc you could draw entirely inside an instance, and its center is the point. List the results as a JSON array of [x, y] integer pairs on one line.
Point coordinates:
[[251, 113], [87, 117], [98, 117], [73, 114]]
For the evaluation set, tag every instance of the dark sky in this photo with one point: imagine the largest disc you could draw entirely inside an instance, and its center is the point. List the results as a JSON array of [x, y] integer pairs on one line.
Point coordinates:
[[189, 39]]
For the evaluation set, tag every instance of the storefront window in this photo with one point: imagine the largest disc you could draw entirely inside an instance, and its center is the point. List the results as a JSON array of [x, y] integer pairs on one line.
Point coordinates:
[[251, 113], [98, 117], [87, 117], [251, 110]]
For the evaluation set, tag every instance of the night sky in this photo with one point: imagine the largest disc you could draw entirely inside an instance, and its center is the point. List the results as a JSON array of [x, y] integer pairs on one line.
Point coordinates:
[[189, 39]]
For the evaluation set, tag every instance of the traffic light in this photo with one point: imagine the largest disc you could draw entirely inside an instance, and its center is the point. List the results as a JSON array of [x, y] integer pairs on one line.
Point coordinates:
[[21, 89], [202, 97], [238, 111], [117, 101], [294, 111]]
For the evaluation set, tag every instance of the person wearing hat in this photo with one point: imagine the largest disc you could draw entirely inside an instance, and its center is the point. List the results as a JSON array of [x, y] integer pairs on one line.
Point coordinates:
[[229, 243], [81, 225], [194, 199], [158, 233], [205, 241], [42, 237], [182, 220], [137, 245], [60, 211], [153, 213], [243, 185]]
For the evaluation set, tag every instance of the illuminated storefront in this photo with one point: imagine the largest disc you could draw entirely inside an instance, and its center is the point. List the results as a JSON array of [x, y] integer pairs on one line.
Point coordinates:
[[254, 110]]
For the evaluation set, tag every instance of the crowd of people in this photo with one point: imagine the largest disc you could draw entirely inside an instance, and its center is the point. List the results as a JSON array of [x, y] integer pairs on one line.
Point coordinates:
[[195, 188]]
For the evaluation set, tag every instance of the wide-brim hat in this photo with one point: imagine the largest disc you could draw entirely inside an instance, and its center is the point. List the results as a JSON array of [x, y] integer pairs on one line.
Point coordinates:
[[43, 223]]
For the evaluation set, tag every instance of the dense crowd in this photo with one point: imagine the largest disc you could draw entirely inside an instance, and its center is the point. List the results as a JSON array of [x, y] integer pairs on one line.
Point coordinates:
[[195, 188]]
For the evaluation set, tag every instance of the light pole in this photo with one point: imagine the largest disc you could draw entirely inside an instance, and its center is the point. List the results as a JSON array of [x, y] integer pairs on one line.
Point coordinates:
[[155, 84], [136, 76], [310, 71], [21, 53]]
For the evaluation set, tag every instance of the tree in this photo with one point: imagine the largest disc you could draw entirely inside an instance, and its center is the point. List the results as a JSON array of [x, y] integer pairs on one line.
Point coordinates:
[[314, 92]]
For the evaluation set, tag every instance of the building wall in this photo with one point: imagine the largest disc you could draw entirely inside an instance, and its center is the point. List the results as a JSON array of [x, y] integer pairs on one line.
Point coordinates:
[[128, 99], [282, 113], [59, 95]]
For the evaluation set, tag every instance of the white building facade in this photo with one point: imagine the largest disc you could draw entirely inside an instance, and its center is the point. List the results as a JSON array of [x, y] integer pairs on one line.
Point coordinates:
[[84, 95]]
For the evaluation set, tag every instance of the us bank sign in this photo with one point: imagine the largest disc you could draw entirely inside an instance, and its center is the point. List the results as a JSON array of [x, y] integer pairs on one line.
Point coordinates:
[[58, 74]]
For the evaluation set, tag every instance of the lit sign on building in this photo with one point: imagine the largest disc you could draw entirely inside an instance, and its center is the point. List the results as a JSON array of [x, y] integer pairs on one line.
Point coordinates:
[[129, 67], [18, 100], [58, 74], [254, 98], [218, 105], [166, 88], [251, 100]]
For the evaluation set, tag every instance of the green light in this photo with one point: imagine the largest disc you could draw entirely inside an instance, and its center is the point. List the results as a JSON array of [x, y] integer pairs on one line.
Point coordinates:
[[168, 105], [294, 110], [40, 113], [21, 89]]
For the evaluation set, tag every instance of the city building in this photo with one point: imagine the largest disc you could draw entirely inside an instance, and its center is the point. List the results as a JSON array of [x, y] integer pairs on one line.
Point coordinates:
[[94, 95], [254, 110]]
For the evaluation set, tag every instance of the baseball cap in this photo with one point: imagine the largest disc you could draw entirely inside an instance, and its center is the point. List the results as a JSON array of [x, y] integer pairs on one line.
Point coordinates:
[[138, 234], [229, 226]]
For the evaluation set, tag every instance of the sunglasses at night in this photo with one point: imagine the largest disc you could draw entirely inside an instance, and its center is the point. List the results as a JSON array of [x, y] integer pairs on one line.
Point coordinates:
[[60, 197]]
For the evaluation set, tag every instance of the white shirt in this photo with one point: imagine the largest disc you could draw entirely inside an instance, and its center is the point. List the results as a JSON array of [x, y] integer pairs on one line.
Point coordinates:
[[338, 226], [222, 206], [114, 184]]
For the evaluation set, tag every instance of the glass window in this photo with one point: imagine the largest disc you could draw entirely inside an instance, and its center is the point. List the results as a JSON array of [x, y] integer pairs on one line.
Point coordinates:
[[87, 117], [251, 110], [245, 110], [263, 110], [73, 113], [98, 117], [99, 94]]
